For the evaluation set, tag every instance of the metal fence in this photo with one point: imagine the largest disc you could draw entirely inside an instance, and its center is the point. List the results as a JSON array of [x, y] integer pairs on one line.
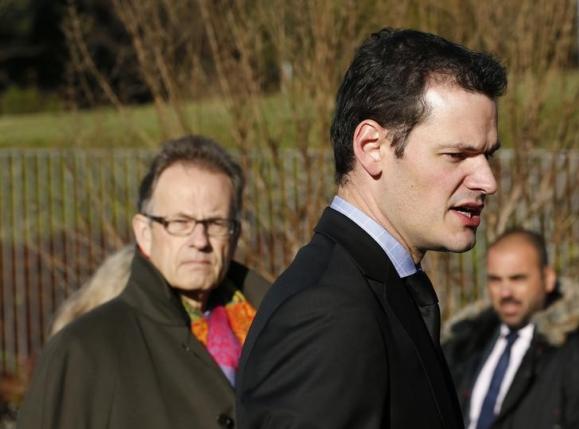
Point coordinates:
[[62, 211]]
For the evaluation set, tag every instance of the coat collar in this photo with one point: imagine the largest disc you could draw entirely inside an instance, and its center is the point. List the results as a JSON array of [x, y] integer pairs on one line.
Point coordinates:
[[148, 291], [368, 254], [150, 294]]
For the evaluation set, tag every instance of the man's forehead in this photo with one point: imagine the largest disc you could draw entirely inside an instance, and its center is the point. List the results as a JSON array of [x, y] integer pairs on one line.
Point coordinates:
[[184, 172], [437, 93], [516, 245], [191, 180]]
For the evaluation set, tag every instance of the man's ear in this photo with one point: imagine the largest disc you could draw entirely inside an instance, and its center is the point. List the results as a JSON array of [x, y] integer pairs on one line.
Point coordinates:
[[369, 136], [550, 278], [234, 239], [143, 233]]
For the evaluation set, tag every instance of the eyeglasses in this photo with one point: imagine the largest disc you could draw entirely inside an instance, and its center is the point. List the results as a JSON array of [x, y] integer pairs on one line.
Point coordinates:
[[214, 227]]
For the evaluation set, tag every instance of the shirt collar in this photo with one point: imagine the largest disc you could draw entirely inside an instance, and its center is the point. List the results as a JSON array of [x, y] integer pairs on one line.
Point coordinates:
[[397, 254], [525, 333]]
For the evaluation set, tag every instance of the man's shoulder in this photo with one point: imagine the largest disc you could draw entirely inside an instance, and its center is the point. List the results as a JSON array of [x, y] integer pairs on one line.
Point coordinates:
[[323, 271], [100, 325], [310, 262], [322, 283], [466, 336]]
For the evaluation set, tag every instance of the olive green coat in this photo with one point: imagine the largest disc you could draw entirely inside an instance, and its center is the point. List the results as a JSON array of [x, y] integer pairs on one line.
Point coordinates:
[[133, 363]]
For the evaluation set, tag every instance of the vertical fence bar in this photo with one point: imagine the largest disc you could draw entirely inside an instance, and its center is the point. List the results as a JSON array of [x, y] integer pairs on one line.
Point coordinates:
[[54, 229], [19, 286], [130, 184], [6, 287], [89, 202], [29, 237], [573, 246], [63, 204], [77, 181], [43, 234]]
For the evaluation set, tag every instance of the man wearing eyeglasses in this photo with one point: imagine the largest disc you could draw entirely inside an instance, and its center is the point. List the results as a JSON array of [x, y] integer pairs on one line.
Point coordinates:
[[163, 354]]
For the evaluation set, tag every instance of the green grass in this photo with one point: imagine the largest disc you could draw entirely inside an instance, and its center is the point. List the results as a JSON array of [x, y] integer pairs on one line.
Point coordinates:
[[136, 126], [141, 126]]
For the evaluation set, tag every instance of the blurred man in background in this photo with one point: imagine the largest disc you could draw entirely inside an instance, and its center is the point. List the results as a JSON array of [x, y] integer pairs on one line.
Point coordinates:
[[164, 353], [505, 360]]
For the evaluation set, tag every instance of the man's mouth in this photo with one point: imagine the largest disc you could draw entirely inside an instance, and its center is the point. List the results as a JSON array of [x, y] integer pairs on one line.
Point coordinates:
[[196, 262], [510, 309], [470, 213], [509, 302]]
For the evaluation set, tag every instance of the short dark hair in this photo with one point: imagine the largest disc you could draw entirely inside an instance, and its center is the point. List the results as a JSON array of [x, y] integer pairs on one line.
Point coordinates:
[[536, 240], [195, 150], [387, 80]]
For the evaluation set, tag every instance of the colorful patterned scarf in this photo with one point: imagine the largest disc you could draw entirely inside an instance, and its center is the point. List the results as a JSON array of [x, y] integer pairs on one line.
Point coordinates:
[[222, 328]]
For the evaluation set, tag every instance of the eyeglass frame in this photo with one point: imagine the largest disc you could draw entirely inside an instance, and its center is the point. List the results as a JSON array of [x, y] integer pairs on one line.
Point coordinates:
[[234, 224]]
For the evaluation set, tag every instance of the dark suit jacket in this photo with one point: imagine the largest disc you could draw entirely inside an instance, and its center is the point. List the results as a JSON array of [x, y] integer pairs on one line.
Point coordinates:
[[339, 343], [133, 364], [545, 391]]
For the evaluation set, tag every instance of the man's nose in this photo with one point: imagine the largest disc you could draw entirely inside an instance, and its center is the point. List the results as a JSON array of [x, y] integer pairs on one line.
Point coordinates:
[[505, 290], [199, 237], [482, 178]]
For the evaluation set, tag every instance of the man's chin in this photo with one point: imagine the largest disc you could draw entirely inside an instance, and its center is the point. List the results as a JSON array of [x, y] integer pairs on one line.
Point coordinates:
[[195, 282], [463, 243], [457, 246], [514, 324], [197, 287]]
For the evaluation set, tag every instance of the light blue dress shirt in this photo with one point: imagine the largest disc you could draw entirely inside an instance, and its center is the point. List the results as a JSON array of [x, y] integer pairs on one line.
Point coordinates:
[[397, 254]]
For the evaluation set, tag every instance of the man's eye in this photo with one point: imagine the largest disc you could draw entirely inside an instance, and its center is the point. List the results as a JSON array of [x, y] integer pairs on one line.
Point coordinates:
[[181, 223], [455, 156], [218, 222]]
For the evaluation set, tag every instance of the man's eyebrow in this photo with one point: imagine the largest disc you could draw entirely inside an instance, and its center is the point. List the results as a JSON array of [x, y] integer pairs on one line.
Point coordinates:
[[494, 147], [181, 215], [460, 146], [475, 149]]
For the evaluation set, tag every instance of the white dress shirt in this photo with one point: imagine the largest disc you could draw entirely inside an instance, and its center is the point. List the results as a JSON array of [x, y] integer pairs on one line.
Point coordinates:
[[481, 386]]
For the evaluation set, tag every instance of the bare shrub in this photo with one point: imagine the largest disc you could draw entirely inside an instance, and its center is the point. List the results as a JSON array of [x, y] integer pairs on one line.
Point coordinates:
[[275, 66]]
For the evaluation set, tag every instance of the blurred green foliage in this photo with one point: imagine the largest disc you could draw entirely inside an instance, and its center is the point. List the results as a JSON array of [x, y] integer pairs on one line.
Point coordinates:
[[17, 100]]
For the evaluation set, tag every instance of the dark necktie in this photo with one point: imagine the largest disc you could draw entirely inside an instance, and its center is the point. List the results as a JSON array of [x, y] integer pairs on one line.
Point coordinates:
[[427, 302], [487, 412]]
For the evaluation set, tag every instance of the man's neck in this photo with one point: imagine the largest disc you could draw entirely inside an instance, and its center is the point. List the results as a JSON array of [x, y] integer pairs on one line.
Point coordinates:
[[196, 300], [362, 199], [398, 254]]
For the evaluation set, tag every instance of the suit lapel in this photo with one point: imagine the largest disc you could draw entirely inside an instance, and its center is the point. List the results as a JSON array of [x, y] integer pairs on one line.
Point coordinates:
[[473, 370], [430, 356], [392, 294]]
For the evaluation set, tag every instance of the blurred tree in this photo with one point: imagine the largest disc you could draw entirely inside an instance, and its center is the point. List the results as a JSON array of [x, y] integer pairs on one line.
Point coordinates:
[[32, 45]]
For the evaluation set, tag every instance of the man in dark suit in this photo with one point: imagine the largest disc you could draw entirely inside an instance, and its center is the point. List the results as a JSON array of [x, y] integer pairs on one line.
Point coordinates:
[[164, 353], [348, 335], [507, 360]]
